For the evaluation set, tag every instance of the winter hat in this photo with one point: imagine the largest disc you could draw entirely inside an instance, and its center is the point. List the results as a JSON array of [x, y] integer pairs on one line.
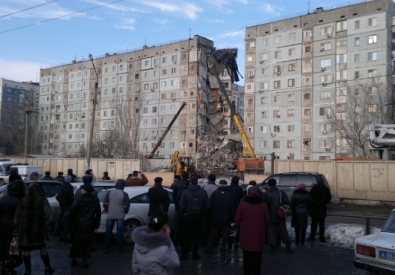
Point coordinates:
[[301, 186], [68, 178], [235, 180], [87, 187], [211, 177], [252, 191], [272, 182], [223, 182], [87, 179]]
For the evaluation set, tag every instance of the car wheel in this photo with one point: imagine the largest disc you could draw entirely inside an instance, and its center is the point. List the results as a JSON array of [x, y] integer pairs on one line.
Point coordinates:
[[34, 176], [129, 227]]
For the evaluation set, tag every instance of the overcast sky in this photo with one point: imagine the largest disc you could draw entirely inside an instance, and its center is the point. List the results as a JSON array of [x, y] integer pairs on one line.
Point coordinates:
[[32, 38]]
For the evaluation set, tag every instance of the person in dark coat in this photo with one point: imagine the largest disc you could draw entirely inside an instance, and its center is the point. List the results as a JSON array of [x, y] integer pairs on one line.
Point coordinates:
[[84, 219], [14, 175], [277, 226], [70, 173], [47, 176], [105, 176], [321, 196], [8, 205], [178, 187], [220, 213], [236, 190], [252, 219], [86, 179], [300, 203], [158, 198], [60, 177], [32, 222], [65, 198], [194, 202]]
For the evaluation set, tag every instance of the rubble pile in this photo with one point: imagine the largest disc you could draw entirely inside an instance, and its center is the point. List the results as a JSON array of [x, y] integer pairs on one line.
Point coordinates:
[[218, 154]]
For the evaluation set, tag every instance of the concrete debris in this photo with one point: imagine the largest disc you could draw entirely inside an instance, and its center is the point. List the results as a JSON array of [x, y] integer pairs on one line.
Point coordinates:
[[218, 154]]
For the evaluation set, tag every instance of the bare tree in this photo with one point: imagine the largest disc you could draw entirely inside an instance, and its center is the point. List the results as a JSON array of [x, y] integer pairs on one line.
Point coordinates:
[[357, 106], [122, 136]]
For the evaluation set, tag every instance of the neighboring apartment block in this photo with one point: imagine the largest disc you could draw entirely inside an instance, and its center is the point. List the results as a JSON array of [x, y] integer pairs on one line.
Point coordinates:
[[303, 72], [139, 93], [15, 99]]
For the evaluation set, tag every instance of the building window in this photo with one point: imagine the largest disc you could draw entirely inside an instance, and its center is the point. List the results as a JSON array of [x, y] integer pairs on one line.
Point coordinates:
[[356, 58], [307, 49], [250, 129], [341, 58], [325, 111], [276, 144], [325, 63], [276, 114], [291, 113], [356, 25], [341, 26], [291, 98], [373, 90], [325, 46], [265, 41], [356, 75], [291, 128], [372, 39], [326, 30], [372, 73], [372, 22], [292, 36], [290, 143], [372, 56], [276, 99], [263, 100], [276, 129], [263, 143], [264, 115], [277, 39], [291, 82], [325, 143], [276, 84], [277, 54], [291, 52], [291, 67], [325, 95]]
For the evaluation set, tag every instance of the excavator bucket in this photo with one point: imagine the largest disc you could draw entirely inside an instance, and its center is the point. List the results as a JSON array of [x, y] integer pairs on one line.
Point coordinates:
[[251, 165]]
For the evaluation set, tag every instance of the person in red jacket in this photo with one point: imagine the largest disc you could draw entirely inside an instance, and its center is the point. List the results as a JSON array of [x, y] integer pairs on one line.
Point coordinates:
[[252, 220], [134, 180]]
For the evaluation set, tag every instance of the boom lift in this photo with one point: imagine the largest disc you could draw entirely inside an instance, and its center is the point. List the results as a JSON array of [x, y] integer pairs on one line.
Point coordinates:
[[217, 61]]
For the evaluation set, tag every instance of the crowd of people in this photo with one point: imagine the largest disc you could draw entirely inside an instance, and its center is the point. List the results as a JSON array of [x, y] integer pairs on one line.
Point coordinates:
[[204, 217]]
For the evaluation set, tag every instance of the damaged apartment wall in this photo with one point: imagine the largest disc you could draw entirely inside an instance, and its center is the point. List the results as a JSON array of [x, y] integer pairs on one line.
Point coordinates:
[[218, 142]]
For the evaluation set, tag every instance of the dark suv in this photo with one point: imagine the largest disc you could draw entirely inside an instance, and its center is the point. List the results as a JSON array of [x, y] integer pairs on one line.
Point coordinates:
[[289, 181]]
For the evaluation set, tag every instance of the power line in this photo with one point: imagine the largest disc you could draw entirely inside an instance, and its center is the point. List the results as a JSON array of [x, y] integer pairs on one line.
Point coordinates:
[[30, 8], [62, 16]]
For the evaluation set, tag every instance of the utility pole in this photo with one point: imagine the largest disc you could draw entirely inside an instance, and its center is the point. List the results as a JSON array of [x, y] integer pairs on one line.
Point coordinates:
[[90, 140], [27, 104]]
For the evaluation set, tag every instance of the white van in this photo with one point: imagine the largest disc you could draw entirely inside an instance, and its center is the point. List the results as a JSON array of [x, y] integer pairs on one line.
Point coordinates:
[[5, 165]]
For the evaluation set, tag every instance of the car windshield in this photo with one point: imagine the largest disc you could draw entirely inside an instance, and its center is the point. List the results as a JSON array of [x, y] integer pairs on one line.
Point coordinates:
[[390, 224]]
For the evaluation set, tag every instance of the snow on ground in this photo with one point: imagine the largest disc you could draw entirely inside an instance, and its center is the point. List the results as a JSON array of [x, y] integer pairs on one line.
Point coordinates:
[[338, 234]]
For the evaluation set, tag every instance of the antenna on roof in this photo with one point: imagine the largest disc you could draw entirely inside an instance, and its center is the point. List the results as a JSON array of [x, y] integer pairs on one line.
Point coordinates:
[[189, 33], [145, 41], [308, 7]]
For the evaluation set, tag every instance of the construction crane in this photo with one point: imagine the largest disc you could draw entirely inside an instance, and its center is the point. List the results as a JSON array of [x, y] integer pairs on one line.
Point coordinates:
[[218, 61], [152, 154]]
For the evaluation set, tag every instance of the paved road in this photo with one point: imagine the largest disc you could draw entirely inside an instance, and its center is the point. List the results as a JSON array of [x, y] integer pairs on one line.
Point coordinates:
[[313, 258]]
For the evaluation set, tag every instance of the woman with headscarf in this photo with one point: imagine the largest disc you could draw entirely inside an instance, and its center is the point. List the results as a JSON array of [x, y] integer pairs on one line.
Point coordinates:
[[154, 251], [300, 203], [33, 222], [84, 219], [8, 205]]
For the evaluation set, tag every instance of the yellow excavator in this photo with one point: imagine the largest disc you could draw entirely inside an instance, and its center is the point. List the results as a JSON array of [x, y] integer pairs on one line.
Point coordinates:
[[182, 164]]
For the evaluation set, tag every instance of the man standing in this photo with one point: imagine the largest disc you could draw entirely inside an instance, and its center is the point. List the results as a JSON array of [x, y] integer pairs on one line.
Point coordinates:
[[321, 196], [86, 179], [178, 187], [65, 198], [221, 214], [210, 187], [70, 173], [105, 176], [194, 202], [116, 204], [47, 176], [158, 198], [275, 197], [60, 177], [134, 180]]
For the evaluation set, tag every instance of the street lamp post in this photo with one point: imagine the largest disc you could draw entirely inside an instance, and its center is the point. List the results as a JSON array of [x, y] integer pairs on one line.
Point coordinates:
[[90, 140], [27, 104]]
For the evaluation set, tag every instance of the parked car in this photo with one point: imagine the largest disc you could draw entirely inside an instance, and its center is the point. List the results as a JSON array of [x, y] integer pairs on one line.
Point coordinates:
[[138, 212], [97, 185], [51, 188], [376, 252], [5, 165], [289, 181], [28, 172]]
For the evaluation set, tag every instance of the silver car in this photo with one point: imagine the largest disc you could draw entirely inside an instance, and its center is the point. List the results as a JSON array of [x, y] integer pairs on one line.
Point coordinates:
[[138, 212]]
